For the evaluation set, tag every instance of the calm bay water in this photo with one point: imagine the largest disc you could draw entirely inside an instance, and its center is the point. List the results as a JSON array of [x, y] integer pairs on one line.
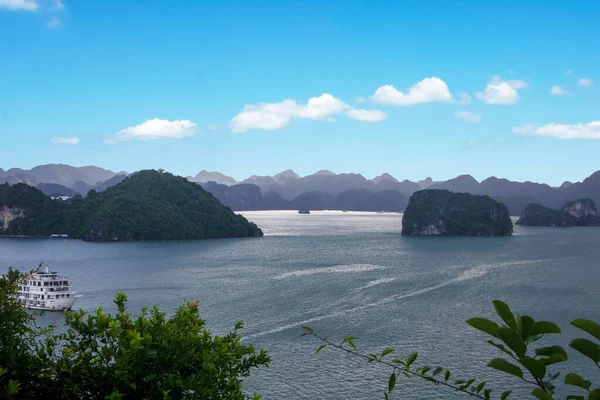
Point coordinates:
[[343, 274]]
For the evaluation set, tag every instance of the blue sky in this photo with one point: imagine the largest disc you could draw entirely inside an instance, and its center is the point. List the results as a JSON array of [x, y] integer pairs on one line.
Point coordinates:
[[412, 88]]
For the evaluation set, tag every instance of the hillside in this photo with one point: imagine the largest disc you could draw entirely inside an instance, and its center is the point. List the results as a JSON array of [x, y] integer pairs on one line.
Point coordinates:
[[580, 212], [25, 210], [148, 205], [439, 212]]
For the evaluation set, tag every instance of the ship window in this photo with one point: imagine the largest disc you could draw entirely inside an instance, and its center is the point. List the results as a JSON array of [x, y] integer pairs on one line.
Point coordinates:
[[45, 283], [68, 296], [42, 297], [39, 283]]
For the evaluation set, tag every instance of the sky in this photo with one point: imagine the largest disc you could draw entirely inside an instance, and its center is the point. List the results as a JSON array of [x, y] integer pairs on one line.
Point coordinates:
[[412, 88]]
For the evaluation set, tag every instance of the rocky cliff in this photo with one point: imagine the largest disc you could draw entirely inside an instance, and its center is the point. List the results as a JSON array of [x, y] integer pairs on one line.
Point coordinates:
[[445, 213], [8, 214], [580, 212]]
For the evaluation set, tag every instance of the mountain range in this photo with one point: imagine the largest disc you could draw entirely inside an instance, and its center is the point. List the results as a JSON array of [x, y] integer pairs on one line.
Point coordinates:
[[321, 190]]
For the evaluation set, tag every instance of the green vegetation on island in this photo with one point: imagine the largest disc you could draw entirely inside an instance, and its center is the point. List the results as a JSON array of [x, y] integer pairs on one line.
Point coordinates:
[[148, 205], [435, 212], [580, 212]]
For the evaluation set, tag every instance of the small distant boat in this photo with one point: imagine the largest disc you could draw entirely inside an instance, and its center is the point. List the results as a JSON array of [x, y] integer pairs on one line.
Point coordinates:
[[304, 211], [59, 236], [344, 210], [46, 290]]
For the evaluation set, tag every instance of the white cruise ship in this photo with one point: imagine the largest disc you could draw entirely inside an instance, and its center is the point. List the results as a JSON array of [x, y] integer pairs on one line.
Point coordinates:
[[46, 290]]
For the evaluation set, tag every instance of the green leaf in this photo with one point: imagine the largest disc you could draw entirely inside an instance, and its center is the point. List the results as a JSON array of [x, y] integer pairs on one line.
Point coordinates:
[[437, 370], [589, 326], [540, 394], [553, 359], [350, 341], [486, 393], [548, 351], [572, 397], [587, 348], [537, 368], [594, 395], [545, 327], [527, 324], [501, 347], [504, 312], [424, 370], [484, 325], [321, 347], [480, 387], [512, 340], [502, 365], [411, 359], [386, 352], [505, 394], [306, 328], [392, 382], [576, 380], [446, 376]]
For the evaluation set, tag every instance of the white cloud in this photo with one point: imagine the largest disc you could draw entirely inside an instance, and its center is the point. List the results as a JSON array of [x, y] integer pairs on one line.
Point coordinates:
[[156, 129], [428, 90], [54, 23], [15, 5], [557, 90], [501, 91], [270, 116], [65, 140], [58, 5], [562, 131], [468, 117], [584, 82], [464, 99], [366, 115]]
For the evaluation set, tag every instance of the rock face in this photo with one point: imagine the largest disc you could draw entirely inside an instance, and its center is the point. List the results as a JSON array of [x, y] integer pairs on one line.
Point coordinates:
[[580, 212], [434, 212], [8, 214]]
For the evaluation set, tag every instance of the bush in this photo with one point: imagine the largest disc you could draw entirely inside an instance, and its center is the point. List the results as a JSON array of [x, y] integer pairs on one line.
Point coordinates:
[[121, 356]]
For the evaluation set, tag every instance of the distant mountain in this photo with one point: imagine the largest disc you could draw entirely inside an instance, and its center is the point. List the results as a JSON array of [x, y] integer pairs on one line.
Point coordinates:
[[425, 183], [261, 181], [244, 197], [462, 184], [324, 172], [61, 174], [384, 177], [208, 176], [102, 186], [238, 197], [287, 174], [55, 190]]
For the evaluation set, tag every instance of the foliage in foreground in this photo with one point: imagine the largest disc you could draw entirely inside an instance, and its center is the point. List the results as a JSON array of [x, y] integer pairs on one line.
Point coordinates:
[[514, 338], [104, 356]]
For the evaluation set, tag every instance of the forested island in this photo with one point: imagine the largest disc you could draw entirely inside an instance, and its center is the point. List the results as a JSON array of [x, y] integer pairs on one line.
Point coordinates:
[[147, 205], [582, 212], [435, 212]]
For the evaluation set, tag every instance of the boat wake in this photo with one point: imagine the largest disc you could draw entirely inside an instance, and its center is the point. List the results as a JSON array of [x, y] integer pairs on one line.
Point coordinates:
[[471, 273], [331, 270]]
